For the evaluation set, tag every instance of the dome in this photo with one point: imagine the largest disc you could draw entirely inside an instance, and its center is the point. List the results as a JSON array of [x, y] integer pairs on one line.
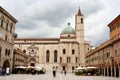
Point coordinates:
[[68, 30]]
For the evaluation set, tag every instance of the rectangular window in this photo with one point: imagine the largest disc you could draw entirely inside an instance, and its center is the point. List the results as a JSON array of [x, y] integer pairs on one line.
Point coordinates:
[[76, 59], [115, 52], [1, 24], [60, 59], [68, 59], [5, 37], [6, 26], [11, 28], [64, 51]]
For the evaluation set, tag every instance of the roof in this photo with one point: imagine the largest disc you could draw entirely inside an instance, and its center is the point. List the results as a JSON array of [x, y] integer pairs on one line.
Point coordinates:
[[7, 14], [114, 21], [68, 30]]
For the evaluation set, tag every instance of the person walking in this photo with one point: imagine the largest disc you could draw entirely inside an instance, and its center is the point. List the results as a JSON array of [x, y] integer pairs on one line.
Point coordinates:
[[54, 73], [65, 72]]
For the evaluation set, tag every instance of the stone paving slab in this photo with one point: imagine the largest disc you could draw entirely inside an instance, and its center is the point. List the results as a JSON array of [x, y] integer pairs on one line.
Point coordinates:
[[49, 76]]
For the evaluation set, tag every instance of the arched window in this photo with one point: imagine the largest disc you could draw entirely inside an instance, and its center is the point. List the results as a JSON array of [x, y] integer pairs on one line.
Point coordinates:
[[55, 56], [64, 51], [47, 55], [73, 51], [81, 20]]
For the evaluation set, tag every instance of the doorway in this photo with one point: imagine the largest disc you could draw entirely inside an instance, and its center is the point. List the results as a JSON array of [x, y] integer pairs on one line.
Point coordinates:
[[63, 68], [32, 64]]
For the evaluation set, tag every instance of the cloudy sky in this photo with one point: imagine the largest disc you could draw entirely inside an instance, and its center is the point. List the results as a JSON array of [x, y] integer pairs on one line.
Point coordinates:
[[47, 18]]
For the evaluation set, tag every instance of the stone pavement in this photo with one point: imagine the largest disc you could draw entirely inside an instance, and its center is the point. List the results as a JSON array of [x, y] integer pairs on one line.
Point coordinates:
[[49, 76]]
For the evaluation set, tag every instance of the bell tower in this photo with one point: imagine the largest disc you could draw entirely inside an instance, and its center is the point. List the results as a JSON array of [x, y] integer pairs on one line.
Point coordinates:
[[79, 28]]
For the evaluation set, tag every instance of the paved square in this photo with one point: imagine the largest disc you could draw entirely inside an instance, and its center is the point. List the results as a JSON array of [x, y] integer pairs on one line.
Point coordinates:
[[49, 76]]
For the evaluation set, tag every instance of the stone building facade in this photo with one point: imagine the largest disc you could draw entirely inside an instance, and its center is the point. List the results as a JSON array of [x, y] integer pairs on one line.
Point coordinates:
[[20, 58], [64, 53], [107, 56], [7, 34]]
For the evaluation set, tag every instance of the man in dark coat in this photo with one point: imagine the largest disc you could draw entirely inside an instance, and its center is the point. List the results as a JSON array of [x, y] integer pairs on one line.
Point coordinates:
[[54, 73]]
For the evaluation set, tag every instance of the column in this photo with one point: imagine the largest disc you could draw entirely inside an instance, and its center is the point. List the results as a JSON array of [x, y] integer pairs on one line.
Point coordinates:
[[111, 71]]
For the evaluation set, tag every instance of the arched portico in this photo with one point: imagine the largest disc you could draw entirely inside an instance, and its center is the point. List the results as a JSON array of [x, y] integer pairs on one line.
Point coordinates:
[[6, 64]]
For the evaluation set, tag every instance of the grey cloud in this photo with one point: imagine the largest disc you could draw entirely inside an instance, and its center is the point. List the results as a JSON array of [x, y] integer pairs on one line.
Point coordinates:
[[39, 18]]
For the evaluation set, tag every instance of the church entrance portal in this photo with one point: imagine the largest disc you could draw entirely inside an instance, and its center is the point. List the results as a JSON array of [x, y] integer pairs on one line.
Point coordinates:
[[32, 64]]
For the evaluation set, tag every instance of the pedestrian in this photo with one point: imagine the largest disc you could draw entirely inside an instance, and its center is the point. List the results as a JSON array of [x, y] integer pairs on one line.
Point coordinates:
[[0, 71], [61, 72], [65, 72], [3, 71], [54, 73]]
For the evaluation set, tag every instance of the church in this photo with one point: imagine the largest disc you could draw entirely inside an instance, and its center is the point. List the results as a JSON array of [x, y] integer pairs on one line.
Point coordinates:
[[64, 53]]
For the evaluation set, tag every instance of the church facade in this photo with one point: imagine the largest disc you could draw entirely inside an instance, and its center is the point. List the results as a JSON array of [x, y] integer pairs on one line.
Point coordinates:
[[64, 53]]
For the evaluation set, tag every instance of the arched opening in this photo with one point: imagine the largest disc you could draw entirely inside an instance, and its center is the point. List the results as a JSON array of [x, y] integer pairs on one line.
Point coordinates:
[[105, 71], [112, 71], [117, 71], [109, 71], [6, 64], [32, 62], [81, 20], [64, 68]]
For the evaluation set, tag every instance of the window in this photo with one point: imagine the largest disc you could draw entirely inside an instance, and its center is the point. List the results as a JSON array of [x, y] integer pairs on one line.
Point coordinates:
[[72, 67], [47, 55], [73, 51], [7, 24], [6, 51], [68, 59], [60, 59], [81, 20], [68, 35], [1, 23], [55, 56], [115, 52], [24, 51], [11, 26], [5, 37], [108, 54], [64, 51], [76, 59]]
